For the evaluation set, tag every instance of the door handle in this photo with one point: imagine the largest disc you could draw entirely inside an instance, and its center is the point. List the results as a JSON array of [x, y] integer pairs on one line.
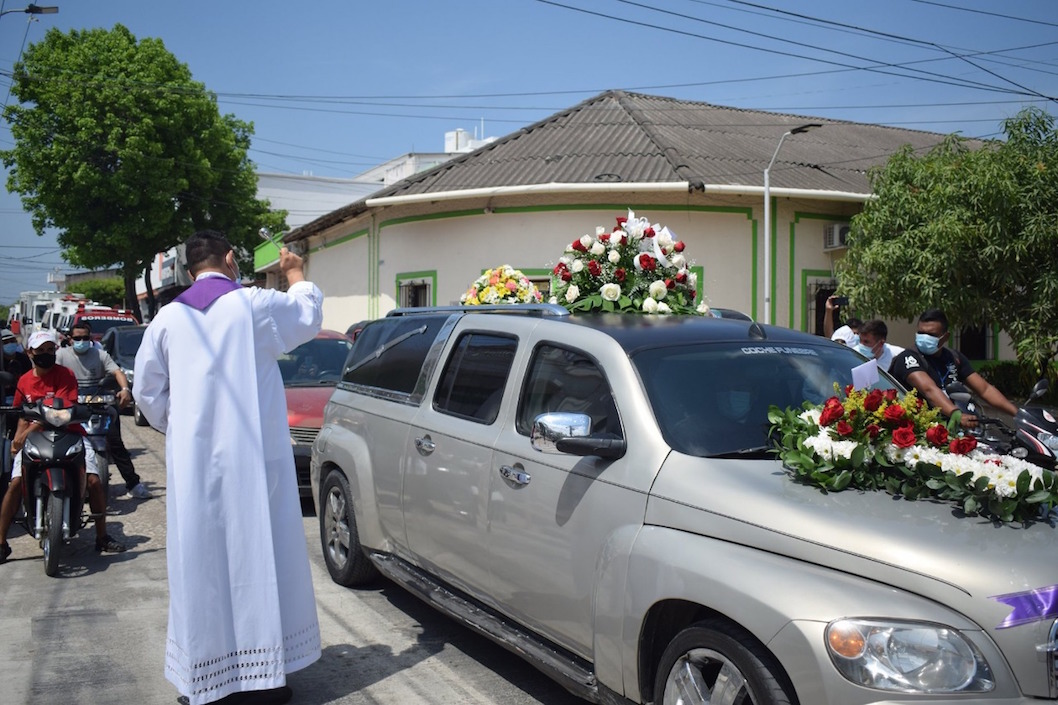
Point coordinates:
[[424, 445], [518, 477]]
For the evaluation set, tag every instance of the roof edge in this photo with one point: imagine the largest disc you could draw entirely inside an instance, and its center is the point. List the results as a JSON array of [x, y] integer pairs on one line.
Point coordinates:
[[524, 189]]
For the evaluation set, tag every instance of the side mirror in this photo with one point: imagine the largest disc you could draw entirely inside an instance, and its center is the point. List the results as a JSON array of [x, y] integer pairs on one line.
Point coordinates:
[[566, 432]]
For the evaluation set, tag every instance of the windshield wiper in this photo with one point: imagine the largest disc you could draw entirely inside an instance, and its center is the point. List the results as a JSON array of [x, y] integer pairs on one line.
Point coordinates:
[[758, 452]]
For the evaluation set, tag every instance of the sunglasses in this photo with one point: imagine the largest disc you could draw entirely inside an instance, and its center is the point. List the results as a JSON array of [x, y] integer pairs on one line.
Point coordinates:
[[80, 337]]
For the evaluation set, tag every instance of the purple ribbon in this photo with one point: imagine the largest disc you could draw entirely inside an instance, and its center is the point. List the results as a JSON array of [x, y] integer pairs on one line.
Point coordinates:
[[1029, 606], [205, 291]]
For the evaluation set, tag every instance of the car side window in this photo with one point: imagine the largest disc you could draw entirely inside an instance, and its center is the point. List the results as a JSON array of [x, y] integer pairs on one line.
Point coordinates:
[[560, 379], [472, 383], [389, 354]]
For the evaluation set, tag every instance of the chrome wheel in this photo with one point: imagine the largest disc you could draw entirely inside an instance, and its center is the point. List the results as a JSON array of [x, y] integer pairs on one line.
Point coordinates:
[[336, 529], [345, 558], [705, 676]]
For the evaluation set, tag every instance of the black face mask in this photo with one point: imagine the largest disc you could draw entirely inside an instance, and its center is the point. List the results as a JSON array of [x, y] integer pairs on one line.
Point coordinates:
[[44, 360]]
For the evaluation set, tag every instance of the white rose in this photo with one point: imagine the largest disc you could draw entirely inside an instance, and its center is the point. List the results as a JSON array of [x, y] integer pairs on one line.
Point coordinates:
[[553, 300], [650, 305], [678, 261], [663, 307], [599, 230], [664, 239], [658, 290], [614, 256], [598, 248], [703, 308], [692, 280], [610, 292], [577, 265], [586, 240], [566, 260], [569, 247], [572, 293]]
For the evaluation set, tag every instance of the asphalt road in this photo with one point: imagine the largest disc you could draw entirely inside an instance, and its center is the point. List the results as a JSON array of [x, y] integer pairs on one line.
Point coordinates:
[[96, 632]]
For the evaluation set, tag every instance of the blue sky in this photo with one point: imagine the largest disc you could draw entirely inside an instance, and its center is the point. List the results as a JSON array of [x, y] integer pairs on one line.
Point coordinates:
[[335, 87]]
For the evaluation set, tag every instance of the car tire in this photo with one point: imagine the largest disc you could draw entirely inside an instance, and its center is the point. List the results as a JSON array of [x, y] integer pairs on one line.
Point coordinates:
[[346, 560], [714, 661], [137, 416]]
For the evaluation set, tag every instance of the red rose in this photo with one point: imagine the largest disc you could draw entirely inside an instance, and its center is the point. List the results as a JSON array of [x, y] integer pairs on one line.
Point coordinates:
[[937, 435], [559, 268], [624, 239], [594, 268], [578, 246], [692, 295], [873, 400], [678, 246], [904, 437], [648, 232], [963, 445], [890, 395], [647, 262], [894, 413], [873, 430], [566, 275], [621, 220], [670, 284], [844, 428], [832, 411], [605, 237], [619, 274], [681, 277]]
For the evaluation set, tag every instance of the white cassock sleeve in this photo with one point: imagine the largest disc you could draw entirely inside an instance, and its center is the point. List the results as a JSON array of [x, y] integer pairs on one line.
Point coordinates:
[[296, 315], [150, 387]]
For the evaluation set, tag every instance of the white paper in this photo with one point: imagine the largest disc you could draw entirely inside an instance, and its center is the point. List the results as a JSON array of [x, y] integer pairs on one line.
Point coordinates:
[[865, 375]]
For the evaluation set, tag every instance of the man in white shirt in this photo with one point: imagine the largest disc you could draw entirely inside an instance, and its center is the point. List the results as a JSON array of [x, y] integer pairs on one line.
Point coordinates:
[[872, 344]]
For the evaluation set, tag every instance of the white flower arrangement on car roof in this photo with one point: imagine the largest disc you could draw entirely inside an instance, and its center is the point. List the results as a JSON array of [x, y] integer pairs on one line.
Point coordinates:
[[635, 268]]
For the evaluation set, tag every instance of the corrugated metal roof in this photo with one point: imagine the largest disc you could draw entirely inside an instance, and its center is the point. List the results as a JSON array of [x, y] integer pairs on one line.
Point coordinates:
[[619, 136]]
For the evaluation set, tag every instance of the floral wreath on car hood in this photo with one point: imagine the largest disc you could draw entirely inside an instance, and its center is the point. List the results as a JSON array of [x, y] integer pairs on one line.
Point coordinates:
[[501, 285], [635, 268], [875, 440]]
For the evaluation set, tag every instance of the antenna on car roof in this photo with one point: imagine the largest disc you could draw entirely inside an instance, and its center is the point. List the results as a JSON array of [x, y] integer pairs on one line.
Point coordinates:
[[757, 331]]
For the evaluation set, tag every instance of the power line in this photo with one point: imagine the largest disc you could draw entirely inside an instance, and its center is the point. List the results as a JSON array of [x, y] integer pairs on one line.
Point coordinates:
[[985, 12]]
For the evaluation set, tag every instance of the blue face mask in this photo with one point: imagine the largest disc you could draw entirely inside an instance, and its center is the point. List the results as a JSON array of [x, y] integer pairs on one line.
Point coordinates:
[[927, 344], [864, 350], [80, 346], [12, 348]]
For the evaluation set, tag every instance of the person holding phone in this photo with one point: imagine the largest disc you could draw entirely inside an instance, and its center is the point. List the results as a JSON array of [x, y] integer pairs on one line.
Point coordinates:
[[847, 334]]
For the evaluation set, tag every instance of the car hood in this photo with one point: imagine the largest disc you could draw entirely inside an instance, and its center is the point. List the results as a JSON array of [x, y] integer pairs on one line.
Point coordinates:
[[305, 405], [922, 547]]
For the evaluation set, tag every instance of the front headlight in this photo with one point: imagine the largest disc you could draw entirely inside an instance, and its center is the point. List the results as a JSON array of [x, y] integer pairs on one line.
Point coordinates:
[[128, 375], [58, 417], [30, 450], [908, 657]]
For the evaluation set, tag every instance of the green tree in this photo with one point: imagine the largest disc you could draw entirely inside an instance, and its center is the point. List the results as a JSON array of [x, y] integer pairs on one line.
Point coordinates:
[[120, 150], [971, 231], [109, 291]]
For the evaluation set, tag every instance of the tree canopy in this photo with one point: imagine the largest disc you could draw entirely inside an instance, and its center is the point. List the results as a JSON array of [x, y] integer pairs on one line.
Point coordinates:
[[121, 151], [971, 231], [109, 291]]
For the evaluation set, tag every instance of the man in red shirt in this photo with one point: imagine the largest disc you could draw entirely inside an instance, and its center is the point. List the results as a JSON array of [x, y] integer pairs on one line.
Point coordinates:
[[45, 381]]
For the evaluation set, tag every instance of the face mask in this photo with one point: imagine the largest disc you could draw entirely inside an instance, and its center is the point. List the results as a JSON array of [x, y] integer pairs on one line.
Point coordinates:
[[853, 341], [235, 274], [44, 360], [926, 343], [863, 350], [81, 346], [12, 348]]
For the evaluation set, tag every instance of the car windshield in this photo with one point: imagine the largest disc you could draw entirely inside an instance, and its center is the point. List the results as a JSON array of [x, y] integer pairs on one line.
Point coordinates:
[[317, 362], [713, 398], [130, 341]]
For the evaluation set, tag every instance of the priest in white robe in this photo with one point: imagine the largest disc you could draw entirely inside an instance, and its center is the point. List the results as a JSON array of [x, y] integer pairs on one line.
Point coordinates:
[[242, 612]]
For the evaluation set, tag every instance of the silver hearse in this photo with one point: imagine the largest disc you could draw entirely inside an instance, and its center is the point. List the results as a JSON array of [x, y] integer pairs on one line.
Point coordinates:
[[595, 493]]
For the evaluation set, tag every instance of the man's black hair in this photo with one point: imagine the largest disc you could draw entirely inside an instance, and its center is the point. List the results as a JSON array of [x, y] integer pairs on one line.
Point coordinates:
[[876, 328], [82, 324], [206, 248], [935, 315], [854, 324]]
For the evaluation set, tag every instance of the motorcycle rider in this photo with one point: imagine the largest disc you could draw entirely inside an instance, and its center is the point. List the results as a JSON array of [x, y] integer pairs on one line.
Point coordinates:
[[872, 343], [932, 365], [91, 365], [48, 380]]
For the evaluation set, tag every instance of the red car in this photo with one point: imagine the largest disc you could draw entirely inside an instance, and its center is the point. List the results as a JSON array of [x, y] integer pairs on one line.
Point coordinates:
[[310, 373]]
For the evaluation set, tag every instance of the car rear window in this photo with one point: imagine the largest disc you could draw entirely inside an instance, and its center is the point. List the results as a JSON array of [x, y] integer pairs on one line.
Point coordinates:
[[475, 376], [389, 353], [713, 398]]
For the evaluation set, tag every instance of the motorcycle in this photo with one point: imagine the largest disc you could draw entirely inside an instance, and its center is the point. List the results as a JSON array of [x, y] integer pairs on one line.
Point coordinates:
[[1034, 435], [101, 402], [54, 484]]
